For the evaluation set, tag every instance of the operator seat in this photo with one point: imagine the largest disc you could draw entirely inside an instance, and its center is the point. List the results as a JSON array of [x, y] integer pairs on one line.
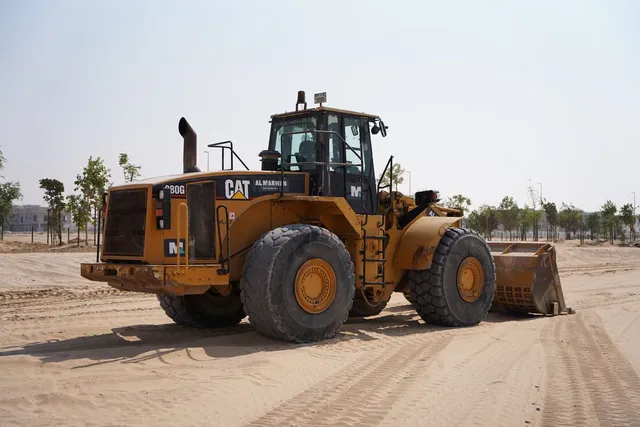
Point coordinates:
[[307, 153]]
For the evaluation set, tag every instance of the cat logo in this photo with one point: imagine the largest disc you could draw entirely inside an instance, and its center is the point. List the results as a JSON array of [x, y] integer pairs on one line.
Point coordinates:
[[236, 189]]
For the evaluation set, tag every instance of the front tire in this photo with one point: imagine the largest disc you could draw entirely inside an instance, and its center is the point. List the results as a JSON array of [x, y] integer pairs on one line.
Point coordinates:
[[298, 284], [458, 289]]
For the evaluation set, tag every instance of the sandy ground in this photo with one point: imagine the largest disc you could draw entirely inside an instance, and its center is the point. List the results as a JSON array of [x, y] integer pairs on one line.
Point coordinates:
[[77, 353]]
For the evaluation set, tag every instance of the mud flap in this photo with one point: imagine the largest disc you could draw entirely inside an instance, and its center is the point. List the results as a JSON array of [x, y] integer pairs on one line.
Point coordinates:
[[527, 279]]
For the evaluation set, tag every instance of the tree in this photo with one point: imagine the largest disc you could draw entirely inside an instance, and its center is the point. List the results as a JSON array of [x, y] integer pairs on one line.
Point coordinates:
[[551, 213], [508, 213], [2, 162], [483, 220], [525, 219], [570, 219], [476, 222], [593, 224], [92, 184], [628, 218], [54, 196], [80, 213], [458, 202], [131, 171], [609, 220], [397, 178], [9, 192]]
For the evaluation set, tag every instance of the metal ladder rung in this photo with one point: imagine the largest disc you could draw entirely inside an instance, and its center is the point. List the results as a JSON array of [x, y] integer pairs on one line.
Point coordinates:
[[376, 237], [384, 237]]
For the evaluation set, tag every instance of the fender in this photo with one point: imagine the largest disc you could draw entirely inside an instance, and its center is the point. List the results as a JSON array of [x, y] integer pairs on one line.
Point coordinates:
[[418, 244]]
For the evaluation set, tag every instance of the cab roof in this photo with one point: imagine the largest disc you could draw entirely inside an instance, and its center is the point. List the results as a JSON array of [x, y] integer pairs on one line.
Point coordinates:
[[306, 111]]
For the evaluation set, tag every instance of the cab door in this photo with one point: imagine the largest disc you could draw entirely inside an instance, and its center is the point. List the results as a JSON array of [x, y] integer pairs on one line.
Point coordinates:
[[355, 181]]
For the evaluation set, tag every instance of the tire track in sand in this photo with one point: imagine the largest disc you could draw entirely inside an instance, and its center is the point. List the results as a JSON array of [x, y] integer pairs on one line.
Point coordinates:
[[470, 390], [595, 381], [361, 393]]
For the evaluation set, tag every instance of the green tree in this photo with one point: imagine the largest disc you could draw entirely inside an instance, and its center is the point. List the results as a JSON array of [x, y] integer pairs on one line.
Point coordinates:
[[483, 220], [131, 172], [489, 215], [628, 218], [54, 196], [593, 224], [3, 160], [609, 210], [458, 202], [476, 222], [525, 219], [9, 192], [397, 177], [570, 218], [80, 213], [508, 214], [92, 184], [551, 213]]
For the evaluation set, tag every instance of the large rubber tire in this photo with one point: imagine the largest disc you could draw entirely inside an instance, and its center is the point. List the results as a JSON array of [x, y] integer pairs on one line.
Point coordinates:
[[362, 309], [208, 310], [435, 292], [268, 283]]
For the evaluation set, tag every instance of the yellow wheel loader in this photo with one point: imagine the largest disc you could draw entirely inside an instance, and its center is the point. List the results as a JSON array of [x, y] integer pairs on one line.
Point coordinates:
[[308, 240]]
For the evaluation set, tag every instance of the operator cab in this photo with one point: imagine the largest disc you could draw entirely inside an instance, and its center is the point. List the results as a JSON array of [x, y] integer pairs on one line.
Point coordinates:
[[332, 145]]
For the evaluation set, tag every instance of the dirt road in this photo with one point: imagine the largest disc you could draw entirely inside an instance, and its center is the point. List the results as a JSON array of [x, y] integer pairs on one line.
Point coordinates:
[[77, 353]]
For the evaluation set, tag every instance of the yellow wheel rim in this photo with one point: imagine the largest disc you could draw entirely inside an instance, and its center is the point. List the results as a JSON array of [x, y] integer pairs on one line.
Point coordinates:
[[470, 279], [315, 286]]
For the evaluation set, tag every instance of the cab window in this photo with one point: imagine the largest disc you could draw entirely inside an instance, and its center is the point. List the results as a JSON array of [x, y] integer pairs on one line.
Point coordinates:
[[299, 147], [353, 134]]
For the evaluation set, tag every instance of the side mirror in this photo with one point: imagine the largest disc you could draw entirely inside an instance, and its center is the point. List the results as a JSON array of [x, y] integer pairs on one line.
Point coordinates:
[[383, 129]]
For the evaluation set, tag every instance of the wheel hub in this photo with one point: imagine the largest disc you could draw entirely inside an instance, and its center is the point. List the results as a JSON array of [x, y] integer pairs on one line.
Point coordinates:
[[315, 286], [470, 279]]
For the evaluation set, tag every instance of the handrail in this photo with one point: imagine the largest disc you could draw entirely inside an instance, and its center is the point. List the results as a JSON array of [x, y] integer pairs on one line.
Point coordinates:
[[227, 237], [230, 148], [186, 240]]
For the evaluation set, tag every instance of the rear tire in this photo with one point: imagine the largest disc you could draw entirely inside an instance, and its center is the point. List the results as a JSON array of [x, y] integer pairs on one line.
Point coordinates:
[[208, 310], [362, 309], [444, 296], [298, 284]]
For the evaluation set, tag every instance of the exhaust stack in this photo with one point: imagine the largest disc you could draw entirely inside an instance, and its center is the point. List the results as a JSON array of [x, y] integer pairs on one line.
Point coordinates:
[[190, 154]]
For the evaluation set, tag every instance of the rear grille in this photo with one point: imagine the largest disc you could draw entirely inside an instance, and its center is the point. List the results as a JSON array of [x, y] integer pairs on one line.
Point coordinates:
[[125, 222]]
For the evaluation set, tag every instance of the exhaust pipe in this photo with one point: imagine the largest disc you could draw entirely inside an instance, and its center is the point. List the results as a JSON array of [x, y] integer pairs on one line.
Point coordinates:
[[190, 154]]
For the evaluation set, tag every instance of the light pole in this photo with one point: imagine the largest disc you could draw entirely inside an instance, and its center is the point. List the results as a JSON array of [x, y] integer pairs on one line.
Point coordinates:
[[207, 153]]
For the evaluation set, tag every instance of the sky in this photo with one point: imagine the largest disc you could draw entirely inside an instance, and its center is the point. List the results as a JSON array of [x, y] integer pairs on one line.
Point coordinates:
[[481, 98]]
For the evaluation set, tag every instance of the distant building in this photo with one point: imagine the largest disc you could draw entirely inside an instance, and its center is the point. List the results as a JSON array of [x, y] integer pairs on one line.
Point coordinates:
[[24, 218]]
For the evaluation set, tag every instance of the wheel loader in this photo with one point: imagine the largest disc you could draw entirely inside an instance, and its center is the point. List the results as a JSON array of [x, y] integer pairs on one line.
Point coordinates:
[[310, 239]]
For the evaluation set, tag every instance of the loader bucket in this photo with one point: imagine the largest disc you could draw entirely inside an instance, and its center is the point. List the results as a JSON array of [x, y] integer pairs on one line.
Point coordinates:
[[527, 279]]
